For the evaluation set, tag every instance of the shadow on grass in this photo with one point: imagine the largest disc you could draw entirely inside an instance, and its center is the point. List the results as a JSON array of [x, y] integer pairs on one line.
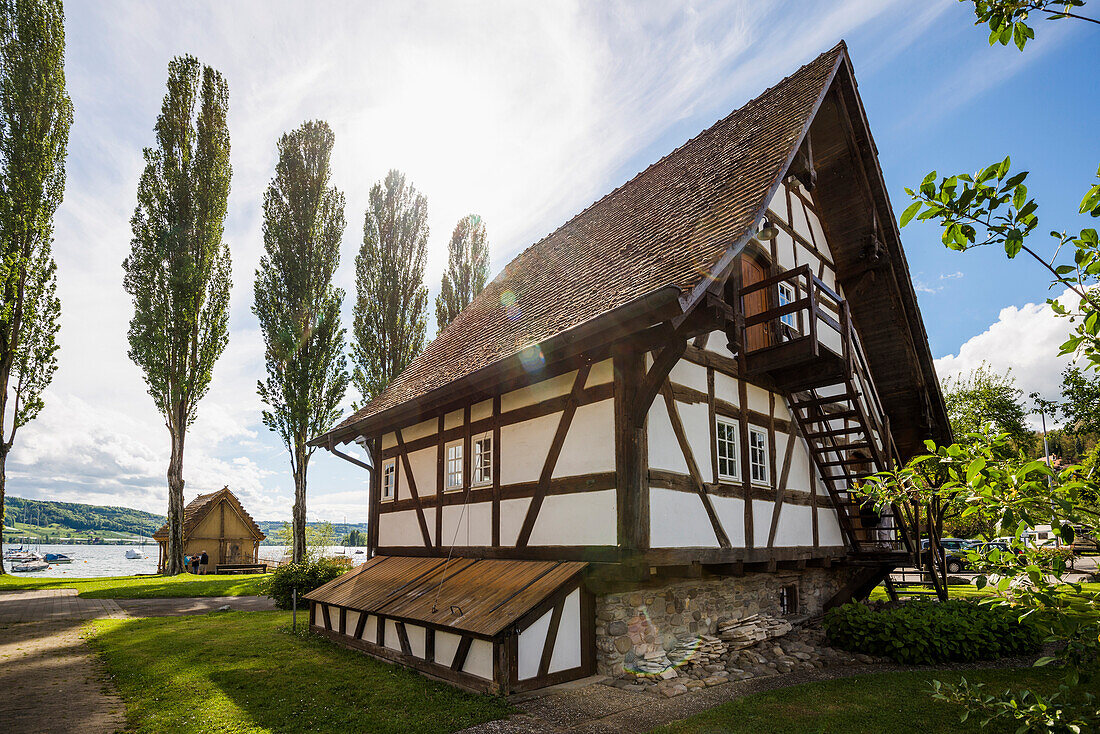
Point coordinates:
[[241, 672], [145, 587]]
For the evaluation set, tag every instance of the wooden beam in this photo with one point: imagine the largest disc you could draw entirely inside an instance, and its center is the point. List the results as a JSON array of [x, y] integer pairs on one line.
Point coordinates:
[[693, 468], [552, 456], [551, 638], [496, 471], [781, 488], [745, 468], [412, 489], [663, 363], [631, 450], [460, 654]]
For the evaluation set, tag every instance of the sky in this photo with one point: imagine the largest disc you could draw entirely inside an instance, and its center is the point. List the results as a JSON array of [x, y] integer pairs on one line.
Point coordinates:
[[523, 113]]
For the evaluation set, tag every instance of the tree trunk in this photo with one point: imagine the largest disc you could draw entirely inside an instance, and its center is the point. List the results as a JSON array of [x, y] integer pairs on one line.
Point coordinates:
[[299, 519], [173, 563], [3, 486]]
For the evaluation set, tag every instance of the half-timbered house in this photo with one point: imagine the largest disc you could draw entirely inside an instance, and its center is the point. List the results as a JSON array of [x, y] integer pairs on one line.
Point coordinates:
[[652, 417]]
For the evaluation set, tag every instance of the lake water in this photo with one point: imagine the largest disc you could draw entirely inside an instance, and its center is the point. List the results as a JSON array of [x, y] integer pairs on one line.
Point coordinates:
[[110, 560]]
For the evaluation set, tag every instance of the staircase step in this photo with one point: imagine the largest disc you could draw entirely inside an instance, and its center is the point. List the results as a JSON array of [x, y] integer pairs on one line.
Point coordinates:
[[823, 417], [835, 432], [845, 447], [815, 402]]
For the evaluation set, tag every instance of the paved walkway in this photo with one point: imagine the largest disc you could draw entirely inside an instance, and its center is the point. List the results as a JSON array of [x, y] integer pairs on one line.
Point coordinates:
[[50, 682]]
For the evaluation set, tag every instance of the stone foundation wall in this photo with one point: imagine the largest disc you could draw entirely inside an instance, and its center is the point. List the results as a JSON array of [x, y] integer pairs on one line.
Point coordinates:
[[650, 619]]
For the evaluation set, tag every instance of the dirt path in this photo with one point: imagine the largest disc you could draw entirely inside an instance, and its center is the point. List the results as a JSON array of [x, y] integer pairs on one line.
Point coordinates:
[[51, 681]]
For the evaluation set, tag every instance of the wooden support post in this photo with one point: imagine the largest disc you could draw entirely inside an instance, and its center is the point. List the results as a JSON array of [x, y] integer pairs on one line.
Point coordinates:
[[631, 450]]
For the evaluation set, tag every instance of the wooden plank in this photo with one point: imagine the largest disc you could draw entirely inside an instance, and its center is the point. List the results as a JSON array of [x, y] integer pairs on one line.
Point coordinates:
[[552, 456], [693, 468], [551, 638], [440, 474], [712, 420], [429, 644], [746, 470], [683, 483], [324, 616], [360, 625], [374, 448], [560, 485], [412, 489], [403, 638]]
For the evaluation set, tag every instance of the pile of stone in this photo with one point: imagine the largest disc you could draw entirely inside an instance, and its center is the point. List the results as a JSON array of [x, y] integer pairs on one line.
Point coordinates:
[[748, 631], [701, 650], [653, 664]]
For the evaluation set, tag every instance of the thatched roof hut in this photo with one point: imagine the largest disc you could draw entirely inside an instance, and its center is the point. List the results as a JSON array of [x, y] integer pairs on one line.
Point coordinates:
[[218, 524]]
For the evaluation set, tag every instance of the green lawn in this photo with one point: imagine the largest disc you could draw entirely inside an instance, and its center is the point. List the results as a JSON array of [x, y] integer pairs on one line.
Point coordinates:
[[880, 702], [144, 587], [243, 672]]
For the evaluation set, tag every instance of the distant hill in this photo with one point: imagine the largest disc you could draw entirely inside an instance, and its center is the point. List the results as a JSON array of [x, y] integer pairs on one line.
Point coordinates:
[[39, 518], [45, 520]]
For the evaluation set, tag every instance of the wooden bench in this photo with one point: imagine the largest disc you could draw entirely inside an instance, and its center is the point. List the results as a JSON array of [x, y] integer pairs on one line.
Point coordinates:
[[240, 568]]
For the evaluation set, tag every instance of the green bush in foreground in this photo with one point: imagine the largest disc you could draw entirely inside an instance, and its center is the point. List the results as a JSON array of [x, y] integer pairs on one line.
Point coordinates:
[[925, 632], [305, 576]]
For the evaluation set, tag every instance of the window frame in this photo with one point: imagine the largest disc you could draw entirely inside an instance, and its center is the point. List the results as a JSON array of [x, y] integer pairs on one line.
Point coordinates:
[[460, 444], [762, 432], [721, 421], [475, 454], [786, 290], [389, 468]]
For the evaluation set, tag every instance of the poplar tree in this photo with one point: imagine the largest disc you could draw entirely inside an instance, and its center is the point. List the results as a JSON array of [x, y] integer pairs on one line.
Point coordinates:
[[178, 271], [35, 116], [391, 300], [297, 305], [467, 269]]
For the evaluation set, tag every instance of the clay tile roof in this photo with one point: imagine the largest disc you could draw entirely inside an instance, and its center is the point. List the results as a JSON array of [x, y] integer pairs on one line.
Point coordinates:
[[197, 508], [668, 226]]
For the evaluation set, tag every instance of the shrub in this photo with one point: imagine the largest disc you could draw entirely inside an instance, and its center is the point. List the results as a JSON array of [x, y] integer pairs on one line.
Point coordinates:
[[924, 632], [305, 576]]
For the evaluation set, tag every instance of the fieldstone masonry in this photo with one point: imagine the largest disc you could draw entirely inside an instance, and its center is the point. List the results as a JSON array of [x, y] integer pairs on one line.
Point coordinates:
[[656, 618]]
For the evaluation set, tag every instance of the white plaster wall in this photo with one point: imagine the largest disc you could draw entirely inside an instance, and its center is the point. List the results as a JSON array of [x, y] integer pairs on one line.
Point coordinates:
[[454, 419], [689, 374], [716, 343], [725, 388], [696, 420], [530, 644], [420, 430], [758, 398], [472, 527], [538, 392], [416, 639], [370, 629], [392, 642], [795, 526], [402, 528], [446, 645], [482, 410], [423, 463], [731, 513], [567, 647], [590, 443], [353, 621], [584, 518], [761, 522], [664, 449], [799, 476], [479, 660], [389, 440], [828, 527], [600, 373], [679, 520], [524, 446], [512, 513]]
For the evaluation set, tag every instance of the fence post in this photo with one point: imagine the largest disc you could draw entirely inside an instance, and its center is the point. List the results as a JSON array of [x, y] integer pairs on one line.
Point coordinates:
[[294, 609]]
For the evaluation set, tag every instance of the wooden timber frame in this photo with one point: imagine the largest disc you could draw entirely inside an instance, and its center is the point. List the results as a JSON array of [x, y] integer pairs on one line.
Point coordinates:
[[331, 622]]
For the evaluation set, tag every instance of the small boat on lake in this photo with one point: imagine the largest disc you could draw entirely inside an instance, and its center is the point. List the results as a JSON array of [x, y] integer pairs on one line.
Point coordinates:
[[22, 556], [57, 558], [30, 566], [133, 554]]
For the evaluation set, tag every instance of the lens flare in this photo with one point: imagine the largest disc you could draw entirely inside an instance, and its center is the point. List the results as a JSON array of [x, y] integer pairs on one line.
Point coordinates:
[[510, 303], [532, 358]]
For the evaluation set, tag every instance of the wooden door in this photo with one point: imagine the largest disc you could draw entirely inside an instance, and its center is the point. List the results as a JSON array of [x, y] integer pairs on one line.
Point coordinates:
[[752, 271]]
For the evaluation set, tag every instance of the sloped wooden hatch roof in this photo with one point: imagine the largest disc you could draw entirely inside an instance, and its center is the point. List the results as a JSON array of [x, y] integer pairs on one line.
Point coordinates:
[[481, 596], [658, 241], [199, 507]]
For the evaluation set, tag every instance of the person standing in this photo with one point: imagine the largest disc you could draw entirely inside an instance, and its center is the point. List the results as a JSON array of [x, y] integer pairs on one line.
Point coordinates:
[[195, 563], [204, 560]]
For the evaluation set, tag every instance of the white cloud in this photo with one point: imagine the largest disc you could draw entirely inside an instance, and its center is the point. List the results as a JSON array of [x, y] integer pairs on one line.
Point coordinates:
[[1025, 339]]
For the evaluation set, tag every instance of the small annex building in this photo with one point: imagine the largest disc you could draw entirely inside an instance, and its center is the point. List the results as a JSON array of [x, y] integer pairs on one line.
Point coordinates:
[[218, 524], [652, 419]]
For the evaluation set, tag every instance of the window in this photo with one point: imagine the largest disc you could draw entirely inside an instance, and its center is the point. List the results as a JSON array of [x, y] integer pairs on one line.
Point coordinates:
[[726, 437], [389, 479], [483, 460], [454, 466], [786, 295], [788, 600], [758, 455]]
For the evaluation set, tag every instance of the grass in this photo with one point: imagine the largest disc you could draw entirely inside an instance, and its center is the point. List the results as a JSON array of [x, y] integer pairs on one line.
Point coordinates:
[[880, 702], [144, 587], [245, 672]]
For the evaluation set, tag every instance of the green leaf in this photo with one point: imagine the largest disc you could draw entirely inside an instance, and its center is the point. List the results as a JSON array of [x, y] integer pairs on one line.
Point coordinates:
[[910, 212]]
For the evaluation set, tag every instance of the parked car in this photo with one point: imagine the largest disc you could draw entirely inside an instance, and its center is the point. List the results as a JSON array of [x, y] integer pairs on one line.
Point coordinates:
[[954, 551]]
